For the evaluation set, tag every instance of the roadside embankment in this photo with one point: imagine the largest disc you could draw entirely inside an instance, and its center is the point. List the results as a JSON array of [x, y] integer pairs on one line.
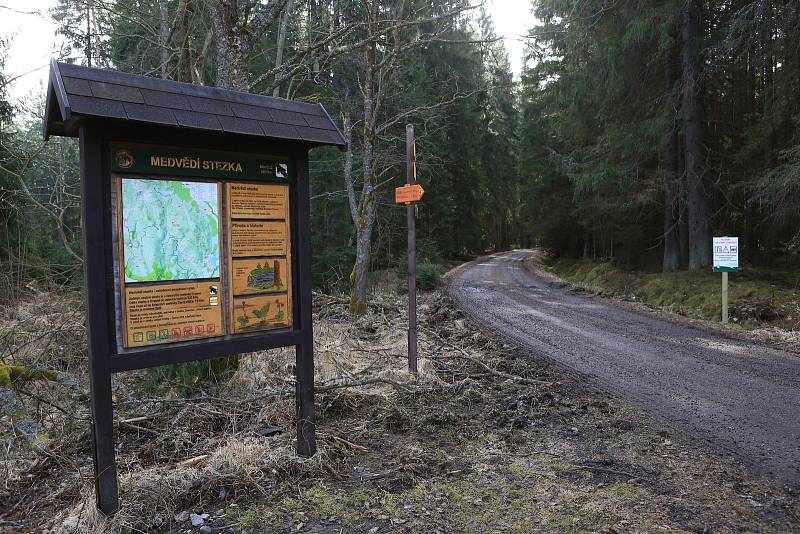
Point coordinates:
[[759, 298]]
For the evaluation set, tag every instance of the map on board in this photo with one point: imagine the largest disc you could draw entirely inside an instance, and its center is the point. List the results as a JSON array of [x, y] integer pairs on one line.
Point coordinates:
[[170, 230]]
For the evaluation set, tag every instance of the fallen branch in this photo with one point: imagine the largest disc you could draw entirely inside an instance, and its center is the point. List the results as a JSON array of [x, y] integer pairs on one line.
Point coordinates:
[[371, 381], [465, 356], [140, 428], [189, 462], [375, 476], [350, 444], [134, 420]]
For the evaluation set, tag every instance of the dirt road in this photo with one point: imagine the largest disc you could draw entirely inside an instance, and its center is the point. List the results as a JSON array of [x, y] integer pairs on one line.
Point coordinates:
[[742, 397]]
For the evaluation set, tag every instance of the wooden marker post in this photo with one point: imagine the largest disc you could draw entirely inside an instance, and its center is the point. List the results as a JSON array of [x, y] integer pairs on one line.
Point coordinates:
[[724, 297], [411, 213], [408, 195]]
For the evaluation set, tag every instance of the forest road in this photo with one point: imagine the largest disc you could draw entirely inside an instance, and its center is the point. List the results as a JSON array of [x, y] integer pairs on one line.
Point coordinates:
[[742, 397]]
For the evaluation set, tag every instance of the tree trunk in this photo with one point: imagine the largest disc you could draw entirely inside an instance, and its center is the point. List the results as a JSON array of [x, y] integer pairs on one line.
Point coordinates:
[[364, 225], [163, 11], [672, 245], [699, 237], [232, 60], [683, 220], [276, 92], [587, 244], [88, 43], [184, 70], [769, 91], [358, 278], [366, 211], [235, 36]]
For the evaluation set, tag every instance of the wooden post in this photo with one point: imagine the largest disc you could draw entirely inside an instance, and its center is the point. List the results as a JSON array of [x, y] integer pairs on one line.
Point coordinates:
[[94, 191], [724, 297], [411, 213], [304, 352]]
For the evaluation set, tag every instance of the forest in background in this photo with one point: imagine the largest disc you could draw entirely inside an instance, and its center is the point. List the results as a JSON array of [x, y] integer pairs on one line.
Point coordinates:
[[649, 126], [637, 130]]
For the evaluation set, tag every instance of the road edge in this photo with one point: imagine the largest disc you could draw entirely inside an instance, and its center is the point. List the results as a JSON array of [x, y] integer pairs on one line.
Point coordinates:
[[656, 312], [652, 419]]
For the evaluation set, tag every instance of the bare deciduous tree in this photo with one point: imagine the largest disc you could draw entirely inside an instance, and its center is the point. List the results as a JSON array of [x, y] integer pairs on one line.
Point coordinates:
[[237, 26], [390, 36]]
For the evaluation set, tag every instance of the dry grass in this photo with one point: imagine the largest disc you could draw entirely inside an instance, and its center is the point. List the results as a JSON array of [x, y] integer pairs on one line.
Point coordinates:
[[483, 440], [362, 358]]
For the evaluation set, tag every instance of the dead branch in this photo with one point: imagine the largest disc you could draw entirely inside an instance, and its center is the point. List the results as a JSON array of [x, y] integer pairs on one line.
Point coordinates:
[[189, 462], [349, 444], [465, 356]]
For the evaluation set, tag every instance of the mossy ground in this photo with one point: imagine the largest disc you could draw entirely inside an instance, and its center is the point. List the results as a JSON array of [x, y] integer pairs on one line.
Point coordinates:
[[695, 294]]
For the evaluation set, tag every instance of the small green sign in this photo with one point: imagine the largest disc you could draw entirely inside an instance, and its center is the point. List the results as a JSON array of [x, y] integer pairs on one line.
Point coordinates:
[[144, 159], [726, 269]]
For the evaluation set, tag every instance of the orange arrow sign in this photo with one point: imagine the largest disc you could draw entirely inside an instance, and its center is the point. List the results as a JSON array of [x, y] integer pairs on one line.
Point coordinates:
[[408, 194]]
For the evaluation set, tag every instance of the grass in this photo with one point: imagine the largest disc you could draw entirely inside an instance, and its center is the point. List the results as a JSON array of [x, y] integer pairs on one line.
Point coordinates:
[[452, 450], [755, 295]]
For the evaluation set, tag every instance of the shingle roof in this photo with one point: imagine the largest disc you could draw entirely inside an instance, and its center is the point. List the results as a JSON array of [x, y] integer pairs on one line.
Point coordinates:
[[76, 93]]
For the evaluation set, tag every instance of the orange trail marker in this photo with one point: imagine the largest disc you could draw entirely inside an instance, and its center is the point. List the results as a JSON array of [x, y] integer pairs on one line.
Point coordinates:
[[408, 194]]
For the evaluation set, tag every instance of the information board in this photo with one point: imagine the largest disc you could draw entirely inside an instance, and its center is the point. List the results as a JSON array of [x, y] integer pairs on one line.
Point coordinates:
[[726, 254], [164, 194], [201, 258], [259, 256]]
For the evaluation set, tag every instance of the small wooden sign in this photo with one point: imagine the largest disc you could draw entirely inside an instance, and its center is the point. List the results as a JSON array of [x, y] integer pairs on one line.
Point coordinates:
[[260, 312], [408, 194], [259, 275], [258, 201]]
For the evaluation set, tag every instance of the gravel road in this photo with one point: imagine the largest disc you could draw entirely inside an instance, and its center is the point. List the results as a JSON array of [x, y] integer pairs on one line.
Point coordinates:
[[744, 398]]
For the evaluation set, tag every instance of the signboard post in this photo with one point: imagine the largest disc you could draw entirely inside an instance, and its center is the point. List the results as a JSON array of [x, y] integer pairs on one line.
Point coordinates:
[[726, 260], [196, 223], [408, 195]]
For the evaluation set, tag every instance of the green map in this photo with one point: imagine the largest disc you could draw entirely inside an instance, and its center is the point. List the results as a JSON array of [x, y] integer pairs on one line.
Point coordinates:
[[170, 230]]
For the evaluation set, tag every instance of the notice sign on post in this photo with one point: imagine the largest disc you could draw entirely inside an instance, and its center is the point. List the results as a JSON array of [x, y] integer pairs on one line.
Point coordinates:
[[726, 254]]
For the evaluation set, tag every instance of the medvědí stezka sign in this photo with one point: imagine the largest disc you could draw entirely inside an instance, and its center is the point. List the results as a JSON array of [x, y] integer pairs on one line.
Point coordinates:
[[196, 223]]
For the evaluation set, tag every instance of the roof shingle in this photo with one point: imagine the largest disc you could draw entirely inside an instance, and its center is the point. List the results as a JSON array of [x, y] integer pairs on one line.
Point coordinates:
[[80, 93]]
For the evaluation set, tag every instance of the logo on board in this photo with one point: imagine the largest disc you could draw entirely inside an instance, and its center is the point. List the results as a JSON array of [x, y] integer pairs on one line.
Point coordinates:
[[124, 159]]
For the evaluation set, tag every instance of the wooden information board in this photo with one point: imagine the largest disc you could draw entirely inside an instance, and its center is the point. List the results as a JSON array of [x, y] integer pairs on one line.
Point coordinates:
[[197, 257], [167, 313], [196, 224]]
